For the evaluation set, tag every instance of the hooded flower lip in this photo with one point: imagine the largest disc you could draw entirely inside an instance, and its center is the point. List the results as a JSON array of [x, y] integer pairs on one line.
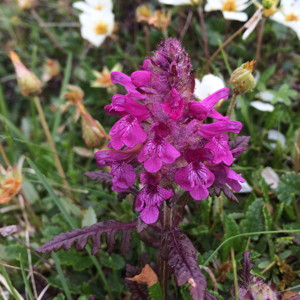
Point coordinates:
[[195, 178], [201, 109], [96, 26], [211, 130], [150, 197], [108, 157], [123, 105], [231, 9], [127, 131], [155, 152], [89, 6], [289, 15]]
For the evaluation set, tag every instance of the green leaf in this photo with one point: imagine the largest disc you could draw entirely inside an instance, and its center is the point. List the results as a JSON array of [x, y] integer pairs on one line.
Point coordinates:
[[89, 217], [268, 218], [288, 187], [254, 220], [113, 261], [155, 292], [231, 228]]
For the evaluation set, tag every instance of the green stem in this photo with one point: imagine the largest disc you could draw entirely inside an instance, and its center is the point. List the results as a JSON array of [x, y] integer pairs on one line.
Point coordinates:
[[231, 105], [235, 278], [248, 234]]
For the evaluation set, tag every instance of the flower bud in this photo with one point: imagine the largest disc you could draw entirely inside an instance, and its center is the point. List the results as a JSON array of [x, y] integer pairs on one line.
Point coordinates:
[[51, 69], [143, 13], [242, 80], [28, 83], [27, 4], [92, 132]]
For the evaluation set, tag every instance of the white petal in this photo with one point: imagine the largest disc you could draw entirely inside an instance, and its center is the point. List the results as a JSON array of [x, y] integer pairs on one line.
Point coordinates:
[[262, 106], [176, 2], [234, 15], [209, 84], [275, 135], [271, 177], [265, 96], [252, 23], [213, 5], [246, 188]]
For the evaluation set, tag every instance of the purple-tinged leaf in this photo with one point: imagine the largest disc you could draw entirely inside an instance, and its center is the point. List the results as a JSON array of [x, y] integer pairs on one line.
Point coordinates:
[[138, 291], [245, 273], [182, 259], [238, 146], [99, 176], [217, 188], [78, 238]]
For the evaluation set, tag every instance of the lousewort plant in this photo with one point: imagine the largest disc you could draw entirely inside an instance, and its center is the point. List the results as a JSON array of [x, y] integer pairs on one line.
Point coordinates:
[[166, 150]]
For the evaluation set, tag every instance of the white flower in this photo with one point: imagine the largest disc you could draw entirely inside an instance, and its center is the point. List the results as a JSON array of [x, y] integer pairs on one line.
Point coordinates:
[[252, 23], [246, 188], [270, 177], [289, 15], [231, 9], [91, 5], [180, 2], [209, 84], [96, 26], [275, 135], [262, 106]]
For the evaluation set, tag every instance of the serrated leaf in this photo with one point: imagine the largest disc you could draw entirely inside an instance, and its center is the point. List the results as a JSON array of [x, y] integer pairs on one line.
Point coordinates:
[[267, 218], [182, 259], [231, 228], [288, 187], [89, 217], [254, 220], [78, 238]]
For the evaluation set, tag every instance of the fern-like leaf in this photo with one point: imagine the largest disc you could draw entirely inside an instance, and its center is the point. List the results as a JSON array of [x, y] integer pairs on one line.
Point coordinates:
[[182, 259], [78, 238], [245, 273]]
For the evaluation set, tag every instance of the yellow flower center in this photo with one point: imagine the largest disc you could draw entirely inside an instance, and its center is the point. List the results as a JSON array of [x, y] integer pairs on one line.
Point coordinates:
[[291, 17], [101, 28], [229, 5], [98, 7]]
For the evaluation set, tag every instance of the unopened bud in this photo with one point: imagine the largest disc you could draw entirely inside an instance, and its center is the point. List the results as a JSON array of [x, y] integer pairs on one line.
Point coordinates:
[[27, 4], [242, 79], [51, 69], [92, 132], [28, 83], [143, 13]]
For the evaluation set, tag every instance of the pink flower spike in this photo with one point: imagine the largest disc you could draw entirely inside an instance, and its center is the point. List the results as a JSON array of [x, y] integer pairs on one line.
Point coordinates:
[[141, 78], [148, 201], [175, 105], [127, 131], [156, 151], [123, 176], [195, 178], [208, 131], [219, 146], [123, 79]]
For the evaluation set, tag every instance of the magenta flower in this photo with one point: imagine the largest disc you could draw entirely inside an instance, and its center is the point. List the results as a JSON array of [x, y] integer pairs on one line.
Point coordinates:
[[163, 137]]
